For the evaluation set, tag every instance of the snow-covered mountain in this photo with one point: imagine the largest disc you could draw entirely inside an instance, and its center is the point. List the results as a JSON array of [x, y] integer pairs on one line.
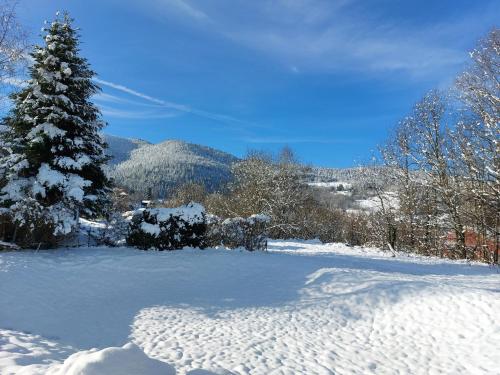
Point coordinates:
[[139, 166], [167, 165], [120, 148]]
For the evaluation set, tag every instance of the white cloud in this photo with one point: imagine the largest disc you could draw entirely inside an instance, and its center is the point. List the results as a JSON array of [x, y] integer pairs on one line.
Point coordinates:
[[326, 35], [316, 37]]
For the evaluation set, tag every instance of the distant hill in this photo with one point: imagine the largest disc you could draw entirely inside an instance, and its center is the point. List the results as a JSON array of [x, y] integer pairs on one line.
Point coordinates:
[[354, 175], [140, 166], [120, 148]]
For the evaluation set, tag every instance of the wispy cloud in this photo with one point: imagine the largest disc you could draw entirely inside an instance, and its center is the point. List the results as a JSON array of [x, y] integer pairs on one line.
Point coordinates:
[[316, 36], [186, 8], [325, 35], [170, 105], [134, 114], [173, 109], [115, 106], [127, 90], [108, 98]]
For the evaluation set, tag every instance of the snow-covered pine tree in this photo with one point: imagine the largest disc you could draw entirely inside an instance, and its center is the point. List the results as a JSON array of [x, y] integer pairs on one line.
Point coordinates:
[[54, 170]]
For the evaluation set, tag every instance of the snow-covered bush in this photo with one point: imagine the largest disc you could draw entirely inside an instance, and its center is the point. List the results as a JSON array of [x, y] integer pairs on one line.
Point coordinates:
[[213, 234], [30, 228], [6, 231], [111, 231], [249, 233], [168, 228]]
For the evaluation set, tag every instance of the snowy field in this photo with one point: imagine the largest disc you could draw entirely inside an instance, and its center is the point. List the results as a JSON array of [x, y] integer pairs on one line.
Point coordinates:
[[301, 308]]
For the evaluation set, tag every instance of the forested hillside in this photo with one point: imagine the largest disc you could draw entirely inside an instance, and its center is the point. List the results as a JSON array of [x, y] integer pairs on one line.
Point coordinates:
[[159, 168], [120, 148]]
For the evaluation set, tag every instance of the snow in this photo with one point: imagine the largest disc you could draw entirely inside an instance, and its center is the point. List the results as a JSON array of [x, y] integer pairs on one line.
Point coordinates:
[[128, 359], [191, 213], [91, 225], [373, 204], [61, 87], [78, 163], [73, 184], [47, 129], [121, 148], [14, 188], [301, 308], [170, 164], [8, 245], [50, 177], [152, 229], [259, 218], [332, 184]]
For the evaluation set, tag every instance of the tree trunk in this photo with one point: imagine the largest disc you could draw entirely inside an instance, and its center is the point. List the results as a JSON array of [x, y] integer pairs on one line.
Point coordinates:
[[460, 238]]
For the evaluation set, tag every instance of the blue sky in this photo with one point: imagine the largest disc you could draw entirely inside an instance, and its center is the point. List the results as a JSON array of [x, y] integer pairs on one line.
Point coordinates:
[[328, 78]]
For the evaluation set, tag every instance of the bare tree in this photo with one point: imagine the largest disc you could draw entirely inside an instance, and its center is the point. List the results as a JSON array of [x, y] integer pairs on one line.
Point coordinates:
[[428, 178], [397, 157], [13, 44], [190, 192], [478, 135], [266, 185]]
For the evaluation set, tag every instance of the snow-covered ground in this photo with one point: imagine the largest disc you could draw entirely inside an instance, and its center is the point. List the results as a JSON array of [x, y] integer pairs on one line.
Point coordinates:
[[373, 204], [301, 308], [332, 184]]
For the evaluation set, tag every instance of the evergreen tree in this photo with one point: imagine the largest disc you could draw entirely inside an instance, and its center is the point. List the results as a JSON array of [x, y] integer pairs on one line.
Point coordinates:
[[54, 167]]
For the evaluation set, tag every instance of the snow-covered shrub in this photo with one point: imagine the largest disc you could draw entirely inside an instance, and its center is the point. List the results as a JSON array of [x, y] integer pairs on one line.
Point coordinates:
[[114, 228], [29, 229], [117, 229], [6, 230], [168, 228], [249, 233], [4, 222], [213, 234], [111, 231]]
